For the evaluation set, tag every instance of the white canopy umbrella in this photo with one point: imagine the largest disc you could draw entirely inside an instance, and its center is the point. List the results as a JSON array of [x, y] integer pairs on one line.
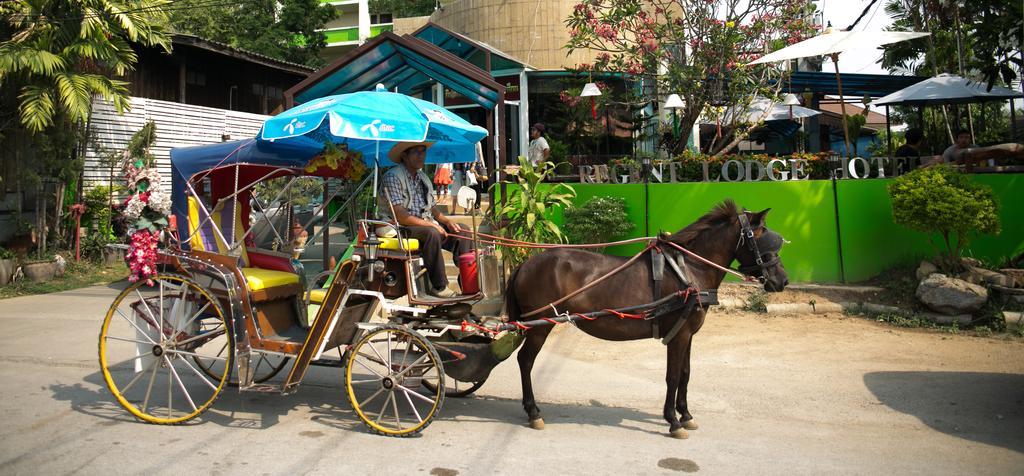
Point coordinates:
[[764, 108], [947, 89], [833, 43]]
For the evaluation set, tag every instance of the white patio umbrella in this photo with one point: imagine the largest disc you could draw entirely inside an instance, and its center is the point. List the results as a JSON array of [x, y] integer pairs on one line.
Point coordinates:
[[831, 44], [769, 111], [947, 89]]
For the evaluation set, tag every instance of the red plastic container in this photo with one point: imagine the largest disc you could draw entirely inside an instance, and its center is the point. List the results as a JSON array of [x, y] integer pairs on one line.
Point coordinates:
[[468, 273]]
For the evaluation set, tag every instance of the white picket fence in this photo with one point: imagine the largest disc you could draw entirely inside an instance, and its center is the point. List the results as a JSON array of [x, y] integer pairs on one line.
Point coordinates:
[[177, 125]]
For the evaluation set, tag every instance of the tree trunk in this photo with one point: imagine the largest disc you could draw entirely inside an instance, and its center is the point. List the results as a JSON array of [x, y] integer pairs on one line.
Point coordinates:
[[41, 219], [58, 210]]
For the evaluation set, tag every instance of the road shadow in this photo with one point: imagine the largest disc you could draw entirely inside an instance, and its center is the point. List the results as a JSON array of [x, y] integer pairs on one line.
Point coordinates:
[[324, 398], [510, 411], [983, 407], [233, 409]]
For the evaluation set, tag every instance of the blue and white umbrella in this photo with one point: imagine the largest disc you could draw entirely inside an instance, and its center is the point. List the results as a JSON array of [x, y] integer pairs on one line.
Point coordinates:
[[372, 122]]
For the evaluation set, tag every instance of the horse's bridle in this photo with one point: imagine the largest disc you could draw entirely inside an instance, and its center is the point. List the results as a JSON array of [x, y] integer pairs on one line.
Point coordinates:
[[770, 241]]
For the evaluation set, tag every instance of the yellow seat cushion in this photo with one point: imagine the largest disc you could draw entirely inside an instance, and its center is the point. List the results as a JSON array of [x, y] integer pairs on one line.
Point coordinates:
[[259, 278], [411, 244], [316, 296]]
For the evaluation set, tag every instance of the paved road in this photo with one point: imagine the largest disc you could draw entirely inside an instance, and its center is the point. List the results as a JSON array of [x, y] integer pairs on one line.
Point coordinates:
[[789, 395]]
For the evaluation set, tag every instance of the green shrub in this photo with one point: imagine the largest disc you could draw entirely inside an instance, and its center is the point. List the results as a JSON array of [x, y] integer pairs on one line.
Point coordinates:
[[941, 200], [97, 210], [757, 302], [599, 220], [526, 214], [6, 253], [93, 245], [559, 150]]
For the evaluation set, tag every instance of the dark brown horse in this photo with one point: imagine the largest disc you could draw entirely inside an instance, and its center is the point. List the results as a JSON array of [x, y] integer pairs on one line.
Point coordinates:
[[716, 236]]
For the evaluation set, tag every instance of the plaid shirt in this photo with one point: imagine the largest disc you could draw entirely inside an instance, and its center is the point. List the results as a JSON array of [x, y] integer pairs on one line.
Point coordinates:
[[393, 190]]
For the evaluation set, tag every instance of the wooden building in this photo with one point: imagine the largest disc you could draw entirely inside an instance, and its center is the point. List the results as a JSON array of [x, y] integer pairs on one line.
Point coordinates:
[[206, 73]]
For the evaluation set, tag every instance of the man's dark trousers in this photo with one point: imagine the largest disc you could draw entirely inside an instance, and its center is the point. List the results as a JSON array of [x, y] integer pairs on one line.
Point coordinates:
[[431, 244]]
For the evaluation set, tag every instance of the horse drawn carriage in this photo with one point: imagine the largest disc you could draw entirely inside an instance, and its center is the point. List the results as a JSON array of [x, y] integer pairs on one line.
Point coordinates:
[[226, 310], [229, 311]]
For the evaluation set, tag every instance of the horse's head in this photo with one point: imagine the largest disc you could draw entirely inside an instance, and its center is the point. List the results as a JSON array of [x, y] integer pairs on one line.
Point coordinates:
[[758, 251]]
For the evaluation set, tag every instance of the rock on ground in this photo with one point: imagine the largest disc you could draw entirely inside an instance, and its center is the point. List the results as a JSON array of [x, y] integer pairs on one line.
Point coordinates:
[[977, 275], [951, 296], [926, 269], [1016, 274]]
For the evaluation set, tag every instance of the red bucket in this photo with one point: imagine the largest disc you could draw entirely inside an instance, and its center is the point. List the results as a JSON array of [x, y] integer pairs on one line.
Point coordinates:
[[468, 273]]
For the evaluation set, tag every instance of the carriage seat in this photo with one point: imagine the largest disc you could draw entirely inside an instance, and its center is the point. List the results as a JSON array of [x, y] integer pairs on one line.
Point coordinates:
[[259, 279], [411, 244], [316, 296]]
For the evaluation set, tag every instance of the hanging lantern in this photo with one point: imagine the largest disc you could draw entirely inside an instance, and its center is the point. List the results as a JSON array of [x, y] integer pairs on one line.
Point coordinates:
[[673, 102], [591, 90], [790, 99]]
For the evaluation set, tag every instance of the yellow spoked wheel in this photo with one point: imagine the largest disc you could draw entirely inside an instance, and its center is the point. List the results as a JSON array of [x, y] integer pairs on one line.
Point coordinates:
[[151, 340], [388, 373]]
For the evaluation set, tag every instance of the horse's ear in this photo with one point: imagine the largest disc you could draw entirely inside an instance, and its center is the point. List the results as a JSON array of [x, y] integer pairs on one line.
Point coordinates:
[[757, 220]]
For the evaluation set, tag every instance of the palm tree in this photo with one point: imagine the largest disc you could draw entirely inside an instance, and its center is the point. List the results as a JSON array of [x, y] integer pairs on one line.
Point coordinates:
[[55, 56], [62, 52]]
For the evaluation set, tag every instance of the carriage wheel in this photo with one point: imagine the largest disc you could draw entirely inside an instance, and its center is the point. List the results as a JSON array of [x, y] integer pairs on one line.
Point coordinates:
[[149, 338], [456, 388], [387, 375], [265, 366]]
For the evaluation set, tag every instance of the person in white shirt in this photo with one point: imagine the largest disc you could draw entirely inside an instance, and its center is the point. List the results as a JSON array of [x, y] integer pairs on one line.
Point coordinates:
[[963, 142], [539, 148]]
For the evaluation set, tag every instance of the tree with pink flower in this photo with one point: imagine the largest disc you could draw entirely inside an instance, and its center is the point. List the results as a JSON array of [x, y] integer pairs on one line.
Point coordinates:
[[694, 48]]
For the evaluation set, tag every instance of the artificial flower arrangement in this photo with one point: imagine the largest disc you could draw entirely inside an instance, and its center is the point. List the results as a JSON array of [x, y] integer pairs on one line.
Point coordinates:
[[349, 164], [145, 211]]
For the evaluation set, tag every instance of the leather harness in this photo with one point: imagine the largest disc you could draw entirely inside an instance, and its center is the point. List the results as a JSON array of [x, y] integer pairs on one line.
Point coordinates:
[[684, 300]]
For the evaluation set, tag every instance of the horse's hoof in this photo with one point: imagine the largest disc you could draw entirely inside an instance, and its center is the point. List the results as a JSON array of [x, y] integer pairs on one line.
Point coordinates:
[[537, 424], [679, 434], [690, 424]]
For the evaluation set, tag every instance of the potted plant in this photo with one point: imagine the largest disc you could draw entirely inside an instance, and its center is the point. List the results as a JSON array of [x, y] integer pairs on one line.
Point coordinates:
[[44, 268], [6, 265]]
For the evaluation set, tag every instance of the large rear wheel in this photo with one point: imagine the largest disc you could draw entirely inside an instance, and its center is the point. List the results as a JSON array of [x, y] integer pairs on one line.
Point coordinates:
[[149, 343], [387, 377]]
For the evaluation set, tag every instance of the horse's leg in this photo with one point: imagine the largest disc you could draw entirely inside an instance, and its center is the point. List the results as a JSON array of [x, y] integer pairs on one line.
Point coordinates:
[[684, 379], [672, 375], [527, 356]]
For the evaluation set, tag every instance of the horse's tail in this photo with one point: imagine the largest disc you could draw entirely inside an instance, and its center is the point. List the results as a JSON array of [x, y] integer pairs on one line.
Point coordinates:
[[511, 302]]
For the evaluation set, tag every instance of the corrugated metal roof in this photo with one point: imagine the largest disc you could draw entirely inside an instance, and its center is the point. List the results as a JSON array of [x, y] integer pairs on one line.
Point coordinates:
[[874, 85], [464, 47], [228, 50], [404, 63]]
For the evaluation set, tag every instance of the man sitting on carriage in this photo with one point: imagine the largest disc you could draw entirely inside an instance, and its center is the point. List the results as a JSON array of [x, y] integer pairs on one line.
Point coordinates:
[[408, 191]]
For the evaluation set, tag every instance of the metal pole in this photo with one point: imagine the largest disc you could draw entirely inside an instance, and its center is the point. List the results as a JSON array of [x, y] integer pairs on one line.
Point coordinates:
[[842, 103], [839, 234], [1013, 122], [327, 229], [888, 129]]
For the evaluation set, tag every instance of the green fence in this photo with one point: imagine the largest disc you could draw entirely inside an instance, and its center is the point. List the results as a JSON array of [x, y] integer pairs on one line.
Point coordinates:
[[805, 213]]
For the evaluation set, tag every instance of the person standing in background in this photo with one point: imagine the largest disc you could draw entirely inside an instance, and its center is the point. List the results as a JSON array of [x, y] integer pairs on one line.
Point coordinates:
[[442, 180], [458, 181], [539, 148]]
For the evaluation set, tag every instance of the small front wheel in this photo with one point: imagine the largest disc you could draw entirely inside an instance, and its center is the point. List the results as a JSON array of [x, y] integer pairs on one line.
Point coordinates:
[[150, 342], [392, 377]]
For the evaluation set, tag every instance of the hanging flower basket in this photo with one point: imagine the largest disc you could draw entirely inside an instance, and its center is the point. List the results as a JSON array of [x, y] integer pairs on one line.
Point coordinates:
[[145, 211]]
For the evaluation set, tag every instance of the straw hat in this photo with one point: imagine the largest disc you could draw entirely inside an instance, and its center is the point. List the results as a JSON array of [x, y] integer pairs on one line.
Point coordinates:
[[395, 154]]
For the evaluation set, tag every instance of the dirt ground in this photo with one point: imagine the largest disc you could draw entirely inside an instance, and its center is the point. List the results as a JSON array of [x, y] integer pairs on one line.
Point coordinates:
[[774, 394]]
